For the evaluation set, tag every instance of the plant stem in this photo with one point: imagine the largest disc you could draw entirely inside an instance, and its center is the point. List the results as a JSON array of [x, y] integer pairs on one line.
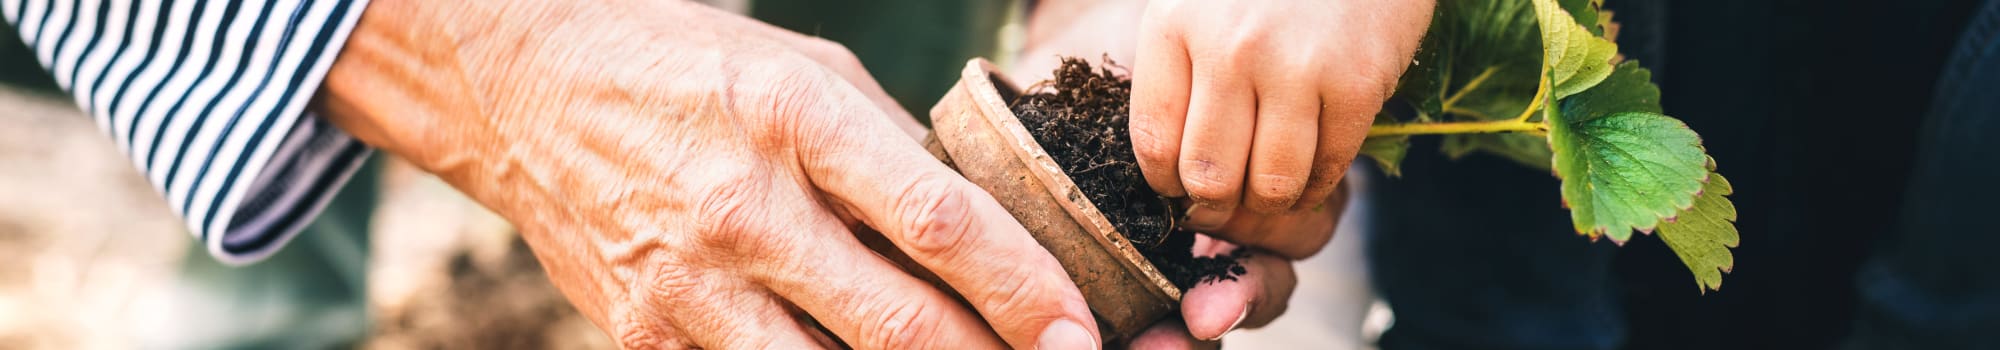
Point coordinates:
[[1478, 127], [1541, 92], [1469, 86]]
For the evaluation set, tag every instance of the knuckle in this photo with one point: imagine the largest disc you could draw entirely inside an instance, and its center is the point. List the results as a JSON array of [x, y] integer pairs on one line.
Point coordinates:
[[1271, 192], [783, 89], [668, 287], [1151, 144], [1328, 174], [728, 214], [1302, 62], [1247, 46], [1017, 295], [1205, 181], [821, 47], [902, 324], [644, 336], [836, 54], [1316, 196], [1357, 96], [935, 215], [795, 103], [636, 328]]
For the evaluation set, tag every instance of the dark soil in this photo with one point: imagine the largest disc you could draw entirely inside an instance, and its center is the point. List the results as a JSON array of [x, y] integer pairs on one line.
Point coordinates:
[[1080, 118]]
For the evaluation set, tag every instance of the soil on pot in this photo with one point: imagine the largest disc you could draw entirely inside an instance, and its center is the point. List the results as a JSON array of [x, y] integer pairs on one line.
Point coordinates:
[[1080, 117]]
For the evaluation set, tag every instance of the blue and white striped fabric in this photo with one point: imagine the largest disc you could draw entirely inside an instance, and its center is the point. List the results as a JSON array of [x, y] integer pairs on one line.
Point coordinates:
[[208, 98]]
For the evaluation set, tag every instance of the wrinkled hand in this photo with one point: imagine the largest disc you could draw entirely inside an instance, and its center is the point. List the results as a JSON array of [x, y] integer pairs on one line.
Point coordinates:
[[694, 179]]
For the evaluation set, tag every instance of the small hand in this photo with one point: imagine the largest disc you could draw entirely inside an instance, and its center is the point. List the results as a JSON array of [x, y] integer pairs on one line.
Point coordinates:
[[1286, 89], [1262, 104]]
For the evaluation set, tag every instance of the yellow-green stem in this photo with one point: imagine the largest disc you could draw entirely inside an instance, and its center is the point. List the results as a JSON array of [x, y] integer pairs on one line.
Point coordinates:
[[1541, 92], [1478, 127], [1469, 87]]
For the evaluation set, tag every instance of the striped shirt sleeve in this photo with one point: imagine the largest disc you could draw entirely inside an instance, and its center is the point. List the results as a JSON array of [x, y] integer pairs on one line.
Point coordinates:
[[208, 98]]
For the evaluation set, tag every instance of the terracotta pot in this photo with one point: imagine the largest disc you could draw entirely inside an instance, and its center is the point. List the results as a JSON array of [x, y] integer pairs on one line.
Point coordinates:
[[976, 133]]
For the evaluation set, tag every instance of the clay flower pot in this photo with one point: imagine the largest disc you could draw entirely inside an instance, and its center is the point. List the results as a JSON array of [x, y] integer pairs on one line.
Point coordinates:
[[976, 133]]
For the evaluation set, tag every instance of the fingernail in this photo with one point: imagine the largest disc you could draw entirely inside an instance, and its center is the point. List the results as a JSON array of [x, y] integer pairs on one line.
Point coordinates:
[[1239, 320], [1066, 334], [1232, 325], [1203, 217]]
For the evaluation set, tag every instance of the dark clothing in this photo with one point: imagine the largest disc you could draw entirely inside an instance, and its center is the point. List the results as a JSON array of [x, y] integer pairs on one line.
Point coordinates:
[[1813, 109], [1935, 284]]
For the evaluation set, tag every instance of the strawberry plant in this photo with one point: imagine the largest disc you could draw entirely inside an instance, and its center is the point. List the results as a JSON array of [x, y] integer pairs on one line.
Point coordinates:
[[1540, 82]]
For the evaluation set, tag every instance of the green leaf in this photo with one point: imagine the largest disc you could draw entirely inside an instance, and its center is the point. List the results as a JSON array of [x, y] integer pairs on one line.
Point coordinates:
[[1387, 151], [1629, 89], [1468, 39], [1528, 150], [1623, 165], [1573, 57], [1703, 234], [1586, 12]]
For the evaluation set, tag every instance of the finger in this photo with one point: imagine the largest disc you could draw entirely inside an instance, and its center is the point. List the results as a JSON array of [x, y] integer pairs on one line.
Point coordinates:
[[1161, 80], [730, 314], [951, 227], [1281, 154], [1292, 234], [864, 298], [1252, 300], [1348, 110], [1215, 146], [1279, 280], [1170, 334]]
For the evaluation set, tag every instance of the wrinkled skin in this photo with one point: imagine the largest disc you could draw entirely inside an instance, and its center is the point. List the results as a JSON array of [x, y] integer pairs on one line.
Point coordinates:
[[1252, 110], [691, 178]]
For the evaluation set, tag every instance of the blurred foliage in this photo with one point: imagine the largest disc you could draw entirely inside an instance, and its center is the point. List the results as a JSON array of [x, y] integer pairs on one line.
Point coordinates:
[[914, 48]]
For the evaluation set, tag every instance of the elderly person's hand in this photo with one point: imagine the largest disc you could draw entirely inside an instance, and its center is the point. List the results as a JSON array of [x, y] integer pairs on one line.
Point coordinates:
[[691, 178], [1253, 110]]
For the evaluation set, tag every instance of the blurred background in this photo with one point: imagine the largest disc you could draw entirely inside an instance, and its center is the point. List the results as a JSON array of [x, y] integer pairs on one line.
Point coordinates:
[[91, 257]]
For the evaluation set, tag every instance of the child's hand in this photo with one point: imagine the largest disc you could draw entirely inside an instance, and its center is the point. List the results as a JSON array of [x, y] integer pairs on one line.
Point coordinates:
[[1261, 104]]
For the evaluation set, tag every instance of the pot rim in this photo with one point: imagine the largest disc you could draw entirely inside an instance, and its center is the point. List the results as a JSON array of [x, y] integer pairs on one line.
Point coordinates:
[[981, 78]]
